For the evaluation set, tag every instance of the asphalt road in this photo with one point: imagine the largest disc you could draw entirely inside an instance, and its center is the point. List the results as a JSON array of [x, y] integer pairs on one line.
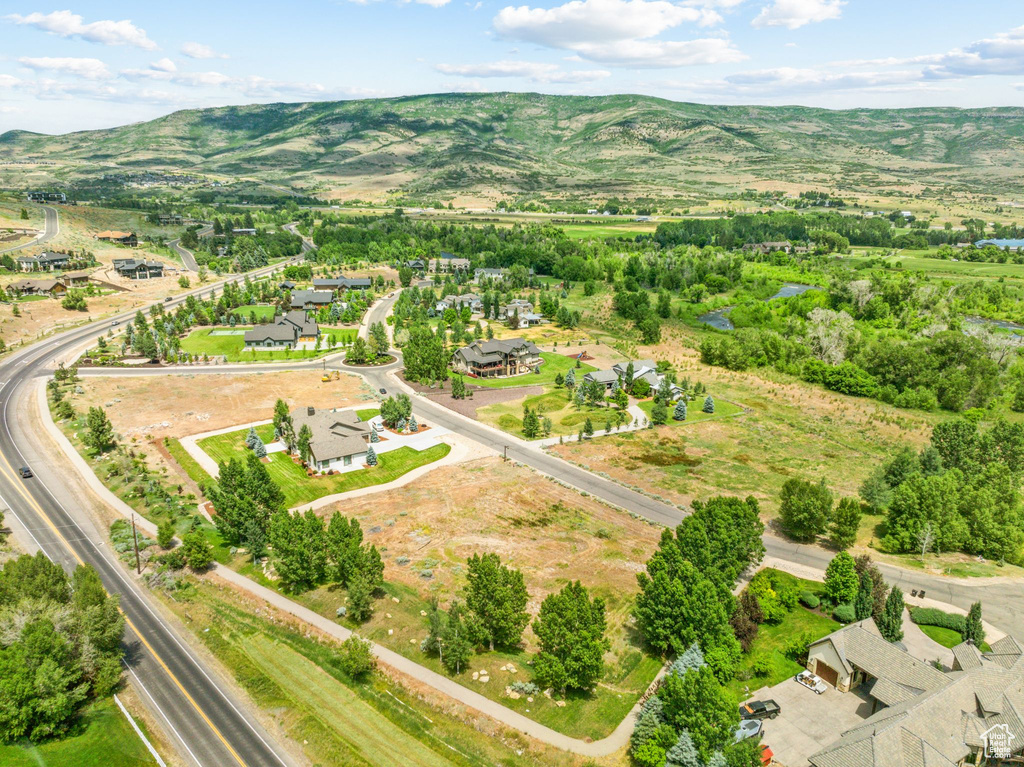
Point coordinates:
[[187, 257], [51, 228], [210, 727]]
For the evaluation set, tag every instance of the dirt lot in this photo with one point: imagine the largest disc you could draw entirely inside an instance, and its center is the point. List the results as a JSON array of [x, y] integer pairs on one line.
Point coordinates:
[[549, 532], [179, 405], [482, 395]]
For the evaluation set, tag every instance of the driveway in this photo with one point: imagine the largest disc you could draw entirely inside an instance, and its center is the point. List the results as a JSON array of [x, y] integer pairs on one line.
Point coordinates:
[[808, 722]]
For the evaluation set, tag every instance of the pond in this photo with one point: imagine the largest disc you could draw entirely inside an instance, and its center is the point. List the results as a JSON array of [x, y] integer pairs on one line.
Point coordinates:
[[1004, 324], [719, 318]]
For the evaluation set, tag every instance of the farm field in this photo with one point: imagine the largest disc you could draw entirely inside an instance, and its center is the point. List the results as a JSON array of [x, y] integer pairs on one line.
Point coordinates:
[[299, 488], [427, 530]]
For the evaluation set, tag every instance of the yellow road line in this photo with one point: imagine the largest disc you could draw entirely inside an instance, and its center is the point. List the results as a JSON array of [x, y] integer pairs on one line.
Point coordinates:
[[9, 471]]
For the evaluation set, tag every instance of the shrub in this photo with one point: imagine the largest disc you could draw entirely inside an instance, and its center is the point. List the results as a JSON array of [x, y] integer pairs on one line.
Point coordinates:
[[807, 599], [931, 616], [844, 613], [524, 688], [762, 665], [357, 657]]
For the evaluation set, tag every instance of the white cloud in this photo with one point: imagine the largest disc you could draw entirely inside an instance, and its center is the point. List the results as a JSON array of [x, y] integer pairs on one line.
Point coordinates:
[[532, 70], [68, 24], [619, 32], [200, 51], [164, 65], [9, 81], [189, 79], [788, 79], [90, 69], [1002, 54], [794, 14]]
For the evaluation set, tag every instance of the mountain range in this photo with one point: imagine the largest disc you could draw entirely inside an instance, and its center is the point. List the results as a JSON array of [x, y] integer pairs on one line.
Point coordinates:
[[488, 146]]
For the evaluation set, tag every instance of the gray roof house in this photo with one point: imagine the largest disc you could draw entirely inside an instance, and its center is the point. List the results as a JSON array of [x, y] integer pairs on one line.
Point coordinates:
[[311, 299], [343, 283], [487, 274], [928, 718], [45, 261], [138, 269], [339, 437], [284, 331], [488, 359], [604, 377]]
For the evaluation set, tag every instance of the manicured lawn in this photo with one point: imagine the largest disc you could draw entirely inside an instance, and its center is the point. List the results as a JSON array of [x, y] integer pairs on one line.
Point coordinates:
[[256, 312], [367, 413], [200, 342], [103, 739], [191, 466], [292, 479], [694, 412], [553, 404], [947, 637], [772, 642], [553, 364]]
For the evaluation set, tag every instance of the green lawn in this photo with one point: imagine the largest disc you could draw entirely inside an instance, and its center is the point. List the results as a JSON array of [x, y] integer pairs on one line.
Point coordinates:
[[694, 412], [292, 479], [103, 739], [554, 404], [256, 312], [200, 342], [367, 413], [553, 365], [191, 466], [946, 637], [772, 641]]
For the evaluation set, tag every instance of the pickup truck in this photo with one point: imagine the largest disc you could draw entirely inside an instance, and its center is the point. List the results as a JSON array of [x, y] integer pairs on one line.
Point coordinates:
[[759, 709]]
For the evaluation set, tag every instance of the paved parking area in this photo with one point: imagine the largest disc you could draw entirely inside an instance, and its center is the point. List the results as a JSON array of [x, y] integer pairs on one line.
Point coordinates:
[[808, 721]]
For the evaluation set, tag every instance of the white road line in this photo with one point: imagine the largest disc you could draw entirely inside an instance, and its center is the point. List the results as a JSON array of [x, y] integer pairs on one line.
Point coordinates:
[[140, 733]]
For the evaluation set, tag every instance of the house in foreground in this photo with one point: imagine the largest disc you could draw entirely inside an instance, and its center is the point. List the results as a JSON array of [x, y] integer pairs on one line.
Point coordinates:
[[38, 287], [494, 358], [138, 268], [924, 717], [285, 332], [121, 238], [339, 440]]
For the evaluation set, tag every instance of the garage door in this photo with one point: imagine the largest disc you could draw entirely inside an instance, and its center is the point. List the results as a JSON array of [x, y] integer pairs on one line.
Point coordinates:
[[827, 673]]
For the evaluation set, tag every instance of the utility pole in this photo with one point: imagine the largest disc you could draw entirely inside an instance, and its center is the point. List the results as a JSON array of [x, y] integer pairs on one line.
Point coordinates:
[[505, 456], [135, 536]]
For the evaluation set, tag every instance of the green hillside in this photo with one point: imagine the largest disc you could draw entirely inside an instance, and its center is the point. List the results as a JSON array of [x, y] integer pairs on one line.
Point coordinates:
[[506, 143]]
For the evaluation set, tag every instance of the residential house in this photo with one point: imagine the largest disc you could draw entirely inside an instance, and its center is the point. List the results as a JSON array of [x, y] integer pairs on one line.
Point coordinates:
[[286, 285], [765, 248], [472, 300], [284, 332], [58, 197], [479, 275], [243, 231], [339, 440], [448, 264], [138, 269], [171, 219], [924, 717], [343, 283], [72, 279], [645, 369], [490, 359], [38, 287], [44, 262], [311, 299], [515, 305], [121, 238], [416, 264]]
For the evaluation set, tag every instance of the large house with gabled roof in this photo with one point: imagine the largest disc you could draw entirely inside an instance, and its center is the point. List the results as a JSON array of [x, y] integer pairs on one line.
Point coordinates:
[[287, 331], [339, 439], [494, 358]]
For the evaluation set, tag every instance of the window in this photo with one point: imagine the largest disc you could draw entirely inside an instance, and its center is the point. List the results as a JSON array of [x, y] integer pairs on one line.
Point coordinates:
[[348, 460]]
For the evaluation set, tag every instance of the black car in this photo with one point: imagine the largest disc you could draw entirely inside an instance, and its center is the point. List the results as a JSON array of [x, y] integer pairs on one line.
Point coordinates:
[[25, 472], [759, 709], [383, 390]]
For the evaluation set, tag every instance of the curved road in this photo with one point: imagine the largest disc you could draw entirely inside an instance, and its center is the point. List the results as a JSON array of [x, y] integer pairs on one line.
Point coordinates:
[[208, 726], [51, 229], [187, 257]]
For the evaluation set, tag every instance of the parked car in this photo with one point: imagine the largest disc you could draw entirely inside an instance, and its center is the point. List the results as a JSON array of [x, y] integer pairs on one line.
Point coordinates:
[[749, 728], [25, 472], [383, 390], [811, 682], [760, 709], [116, 322]]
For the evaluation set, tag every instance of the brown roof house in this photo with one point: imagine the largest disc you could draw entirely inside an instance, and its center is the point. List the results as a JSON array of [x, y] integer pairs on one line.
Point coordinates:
[[339, 440], [121, 238], [38, 287], [925, 717]]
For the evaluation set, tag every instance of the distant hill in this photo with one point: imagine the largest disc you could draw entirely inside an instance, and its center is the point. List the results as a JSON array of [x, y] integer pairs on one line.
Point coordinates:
[[561, 146]]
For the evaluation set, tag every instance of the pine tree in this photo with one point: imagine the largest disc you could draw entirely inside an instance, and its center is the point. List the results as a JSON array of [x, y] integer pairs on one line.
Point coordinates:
[[890, 622], [305, 435], [413, 426], [260, 451], [709, 405], [683, 753], [865, 597], [99, 433], [679, 414], [570, 379], [974, 630], [371, 456], [251, 438]]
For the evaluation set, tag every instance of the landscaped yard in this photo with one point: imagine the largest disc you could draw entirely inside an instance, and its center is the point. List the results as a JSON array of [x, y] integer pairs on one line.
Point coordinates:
[[104, 739], [694, 411], [553, 404], [256, 312], [203, 341], [299, 488], [554, 363]]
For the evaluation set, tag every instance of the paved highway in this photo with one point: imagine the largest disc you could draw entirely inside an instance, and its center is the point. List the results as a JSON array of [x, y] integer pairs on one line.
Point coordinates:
[[51, 228], [208, 725]]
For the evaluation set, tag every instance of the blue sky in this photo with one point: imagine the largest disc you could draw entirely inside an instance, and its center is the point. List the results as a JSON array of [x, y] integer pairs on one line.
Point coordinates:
[[99, 64]]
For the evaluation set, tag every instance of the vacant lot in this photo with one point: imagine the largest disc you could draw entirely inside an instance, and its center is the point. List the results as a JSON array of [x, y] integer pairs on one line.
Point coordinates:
[[179, 405], [554, 404], [428, 529]]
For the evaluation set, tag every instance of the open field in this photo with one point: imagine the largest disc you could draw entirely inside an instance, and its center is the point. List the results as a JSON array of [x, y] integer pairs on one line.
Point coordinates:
[[911, 260], [555, 404], [179, 405], [297, 681], [200, 342], [103, 738], [553, 364], [694, 411], [299, 488], [428, 529]]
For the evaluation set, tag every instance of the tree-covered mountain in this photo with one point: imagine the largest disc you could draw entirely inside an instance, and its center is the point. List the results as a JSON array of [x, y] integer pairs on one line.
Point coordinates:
[[562, 146]]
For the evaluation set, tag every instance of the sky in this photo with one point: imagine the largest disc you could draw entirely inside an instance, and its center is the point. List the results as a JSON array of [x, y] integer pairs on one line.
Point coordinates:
[[101, 64]]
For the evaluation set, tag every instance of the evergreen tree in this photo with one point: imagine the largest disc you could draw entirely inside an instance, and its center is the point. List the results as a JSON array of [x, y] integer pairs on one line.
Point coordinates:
[[974, 629], [413, 426], [683, 753], [251, 438], [360, 597], [344, 538], [99, 432], [709, 405], [457, 639], [305, 435], [659, 413], [865, 600], [300, 556], [260, 450], [679, 414], [374, 437], [371, 455], [570, 379], [196, 550], [890, 622], [531, 423]]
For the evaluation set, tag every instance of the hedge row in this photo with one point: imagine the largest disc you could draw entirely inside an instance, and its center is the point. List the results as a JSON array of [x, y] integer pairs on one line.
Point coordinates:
[[931, 616]]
